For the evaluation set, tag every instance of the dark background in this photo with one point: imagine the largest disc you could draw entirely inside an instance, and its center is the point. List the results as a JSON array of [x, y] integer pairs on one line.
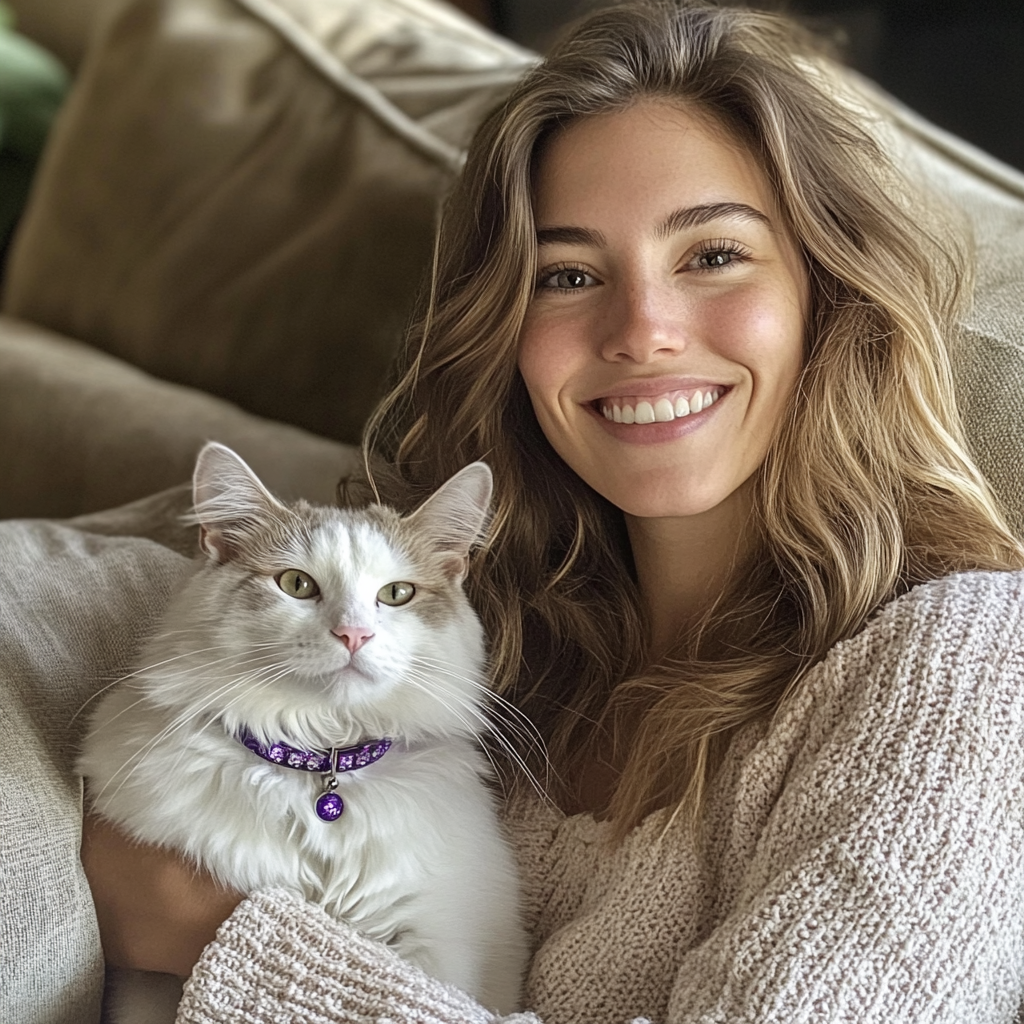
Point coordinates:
[[959, 64]]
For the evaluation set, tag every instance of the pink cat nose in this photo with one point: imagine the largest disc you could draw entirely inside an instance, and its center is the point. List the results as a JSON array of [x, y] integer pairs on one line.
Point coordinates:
[[353, 637]]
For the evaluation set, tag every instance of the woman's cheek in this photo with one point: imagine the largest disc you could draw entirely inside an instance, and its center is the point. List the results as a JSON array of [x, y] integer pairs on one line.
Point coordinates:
[[549, 355], [760, 329]]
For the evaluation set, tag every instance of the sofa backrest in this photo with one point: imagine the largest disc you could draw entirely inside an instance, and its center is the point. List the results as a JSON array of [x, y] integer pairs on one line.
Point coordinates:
[[988, 363], [240, 195]]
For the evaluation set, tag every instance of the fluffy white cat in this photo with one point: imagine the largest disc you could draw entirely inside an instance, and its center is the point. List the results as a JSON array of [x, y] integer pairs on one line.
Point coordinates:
[[308, 717]]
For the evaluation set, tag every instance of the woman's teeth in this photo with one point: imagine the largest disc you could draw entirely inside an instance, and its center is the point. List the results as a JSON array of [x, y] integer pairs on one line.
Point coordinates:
[[657, 410]]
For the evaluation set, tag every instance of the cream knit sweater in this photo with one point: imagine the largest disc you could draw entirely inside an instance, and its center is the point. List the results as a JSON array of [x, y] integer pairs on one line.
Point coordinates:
[[863, 861]]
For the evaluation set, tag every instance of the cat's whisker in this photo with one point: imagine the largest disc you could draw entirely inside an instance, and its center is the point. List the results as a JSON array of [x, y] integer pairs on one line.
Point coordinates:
[[254, 688], [184, 718], [431, 691], [197, 669], [488, 718], [491, 695], [142, 670], [99, 693], [128, 767], [185, 631], [514, 720], [429, 686], [509, 749], [188, 669]]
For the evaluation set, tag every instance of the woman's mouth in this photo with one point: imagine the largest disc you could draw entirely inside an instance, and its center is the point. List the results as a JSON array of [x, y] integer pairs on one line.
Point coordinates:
[[658, 408]]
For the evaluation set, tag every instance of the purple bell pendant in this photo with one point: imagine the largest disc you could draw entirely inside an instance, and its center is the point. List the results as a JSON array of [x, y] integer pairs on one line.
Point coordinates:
[[329, 804]]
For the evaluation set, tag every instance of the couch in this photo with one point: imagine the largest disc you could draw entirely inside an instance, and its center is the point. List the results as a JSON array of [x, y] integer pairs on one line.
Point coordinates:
[[238, 198], [224, 239]]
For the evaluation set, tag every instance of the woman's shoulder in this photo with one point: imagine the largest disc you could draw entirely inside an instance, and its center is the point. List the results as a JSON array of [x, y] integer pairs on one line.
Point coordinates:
[[983, 585], [969, 611], [950, 647]]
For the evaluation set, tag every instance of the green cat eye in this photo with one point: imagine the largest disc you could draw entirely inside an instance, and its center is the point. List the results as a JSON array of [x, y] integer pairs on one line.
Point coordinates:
[[296, 583], [396, 593]]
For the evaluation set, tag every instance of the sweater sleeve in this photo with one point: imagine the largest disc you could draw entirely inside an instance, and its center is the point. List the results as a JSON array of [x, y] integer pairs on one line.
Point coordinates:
[[888, 883], [279, 958]]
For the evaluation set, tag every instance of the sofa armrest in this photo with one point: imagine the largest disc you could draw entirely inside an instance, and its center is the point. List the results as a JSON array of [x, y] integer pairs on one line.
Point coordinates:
[[81, 431]]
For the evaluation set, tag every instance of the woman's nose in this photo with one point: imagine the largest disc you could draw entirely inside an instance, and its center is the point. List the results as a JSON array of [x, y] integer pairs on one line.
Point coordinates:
[[647, 322]]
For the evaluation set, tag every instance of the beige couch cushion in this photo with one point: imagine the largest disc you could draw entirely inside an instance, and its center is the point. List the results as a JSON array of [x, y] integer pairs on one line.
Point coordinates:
[[240, 194], [83, 431], [75, 606], [989, 362]]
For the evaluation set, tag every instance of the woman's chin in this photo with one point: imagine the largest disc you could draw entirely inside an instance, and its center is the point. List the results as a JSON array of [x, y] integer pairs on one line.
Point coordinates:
[[682, 498]]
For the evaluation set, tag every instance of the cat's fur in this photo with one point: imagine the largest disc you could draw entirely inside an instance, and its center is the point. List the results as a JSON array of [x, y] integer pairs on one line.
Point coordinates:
[[417, 859]]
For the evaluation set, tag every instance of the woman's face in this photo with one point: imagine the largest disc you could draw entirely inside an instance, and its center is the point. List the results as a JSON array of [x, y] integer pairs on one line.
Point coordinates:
[[666, 332]]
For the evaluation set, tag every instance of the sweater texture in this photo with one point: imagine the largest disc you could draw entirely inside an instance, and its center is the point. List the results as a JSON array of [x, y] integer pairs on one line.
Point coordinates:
[[862, 860]]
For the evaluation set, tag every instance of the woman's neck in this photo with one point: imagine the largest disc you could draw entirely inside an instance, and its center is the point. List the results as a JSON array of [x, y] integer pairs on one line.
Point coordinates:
[[684, 564]]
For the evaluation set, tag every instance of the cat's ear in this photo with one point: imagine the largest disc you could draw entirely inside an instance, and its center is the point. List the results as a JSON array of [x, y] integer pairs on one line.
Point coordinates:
[[229, 500], [454, 517]]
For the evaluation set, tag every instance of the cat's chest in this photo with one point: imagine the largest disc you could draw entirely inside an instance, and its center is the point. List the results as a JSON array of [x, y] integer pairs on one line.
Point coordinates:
[[388, 837], [254, 824]]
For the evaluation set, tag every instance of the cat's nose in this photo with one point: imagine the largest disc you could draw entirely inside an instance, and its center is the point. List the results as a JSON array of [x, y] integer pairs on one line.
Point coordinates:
[[353, 637]]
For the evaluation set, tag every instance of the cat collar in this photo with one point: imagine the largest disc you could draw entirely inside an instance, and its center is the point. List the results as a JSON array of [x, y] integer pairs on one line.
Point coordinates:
[[330, 764]]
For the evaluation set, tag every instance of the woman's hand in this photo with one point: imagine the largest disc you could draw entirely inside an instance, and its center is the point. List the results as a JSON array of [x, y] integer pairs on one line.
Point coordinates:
[[156, 911]]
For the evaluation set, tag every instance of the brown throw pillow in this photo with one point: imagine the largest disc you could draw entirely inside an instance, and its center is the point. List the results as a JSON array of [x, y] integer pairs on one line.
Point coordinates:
[[240, 194]]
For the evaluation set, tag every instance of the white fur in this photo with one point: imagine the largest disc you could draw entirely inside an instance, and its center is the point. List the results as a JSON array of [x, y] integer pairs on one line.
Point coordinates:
[[417, 859]]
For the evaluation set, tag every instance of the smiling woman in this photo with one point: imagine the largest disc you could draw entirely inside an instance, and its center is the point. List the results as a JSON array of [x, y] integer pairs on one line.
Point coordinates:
[[644, 307], [742, 571], [666, 306], [677, 211]]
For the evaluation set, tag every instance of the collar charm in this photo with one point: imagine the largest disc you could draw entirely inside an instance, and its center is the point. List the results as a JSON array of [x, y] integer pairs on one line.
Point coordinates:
[[329, 764]]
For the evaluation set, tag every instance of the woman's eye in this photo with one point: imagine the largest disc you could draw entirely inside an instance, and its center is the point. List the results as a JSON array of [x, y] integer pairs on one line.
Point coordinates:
[[718, 256], [713, 260], [296, 583], [395, 594], [568, 279]]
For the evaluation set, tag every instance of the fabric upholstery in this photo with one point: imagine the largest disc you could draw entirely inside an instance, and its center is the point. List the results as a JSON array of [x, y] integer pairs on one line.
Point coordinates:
[[989, 362], [83, 431], [240, 194], [75, 607]]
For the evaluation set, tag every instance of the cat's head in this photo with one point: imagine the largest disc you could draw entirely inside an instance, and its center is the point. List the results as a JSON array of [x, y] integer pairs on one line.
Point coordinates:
[[326, 624]]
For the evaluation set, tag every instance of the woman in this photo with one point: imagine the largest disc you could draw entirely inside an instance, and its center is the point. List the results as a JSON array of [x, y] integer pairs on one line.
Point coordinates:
[[699, 331]]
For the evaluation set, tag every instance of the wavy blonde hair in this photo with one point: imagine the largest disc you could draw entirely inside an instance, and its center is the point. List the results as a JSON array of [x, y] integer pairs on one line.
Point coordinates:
[[867, 490]]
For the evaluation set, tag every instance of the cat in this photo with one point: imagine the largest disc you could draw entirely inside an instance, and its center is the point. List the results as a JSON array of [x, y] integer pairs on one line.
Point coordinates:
[[308, 716]]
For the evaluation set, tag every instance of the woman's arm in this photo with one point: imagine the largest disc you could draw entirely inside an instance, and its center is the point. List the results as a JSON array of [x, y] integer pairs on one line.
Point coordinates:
[[270, 955], [888, 884], [156, 912], [280, 958]]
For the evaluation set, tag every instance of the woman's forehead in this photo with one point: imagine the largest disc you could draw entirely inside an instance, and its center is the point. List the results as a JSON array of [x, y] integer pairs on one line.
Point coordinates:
[[651, 158]]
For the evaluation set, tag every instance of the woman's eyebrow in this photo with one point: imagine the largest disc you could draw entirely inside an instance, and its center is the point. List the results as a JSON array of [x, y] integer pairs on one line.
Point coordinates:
[[678, 220], [694, 216], [571, 236]]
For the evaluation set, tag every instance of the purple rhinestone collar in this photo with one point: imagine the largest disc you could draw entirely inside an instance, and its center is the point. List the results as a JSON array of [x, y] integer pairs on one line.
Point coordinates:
[[329, 804]]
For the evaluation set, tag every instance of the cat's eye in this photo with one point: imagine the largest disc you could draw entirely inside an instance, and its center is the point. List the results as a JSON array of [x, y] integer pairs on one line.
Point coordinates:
[[296, 583], [396, 593]]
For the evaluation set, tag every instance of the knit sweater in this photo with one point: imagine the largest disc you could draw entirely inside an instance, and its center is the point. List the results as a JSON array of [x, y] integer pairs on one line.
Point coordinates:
[[862, 860]]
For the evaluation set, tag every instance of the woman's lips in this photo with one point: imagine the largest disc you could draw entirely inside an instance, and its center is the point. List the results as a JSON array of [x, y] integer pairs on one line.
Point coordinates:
[[649, 429], [662, 408]]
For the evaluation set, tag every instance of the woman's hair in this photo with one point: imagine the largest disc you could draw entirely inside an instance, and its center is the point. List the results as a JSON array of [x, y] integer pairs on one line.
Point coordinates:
[[867, 488]]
